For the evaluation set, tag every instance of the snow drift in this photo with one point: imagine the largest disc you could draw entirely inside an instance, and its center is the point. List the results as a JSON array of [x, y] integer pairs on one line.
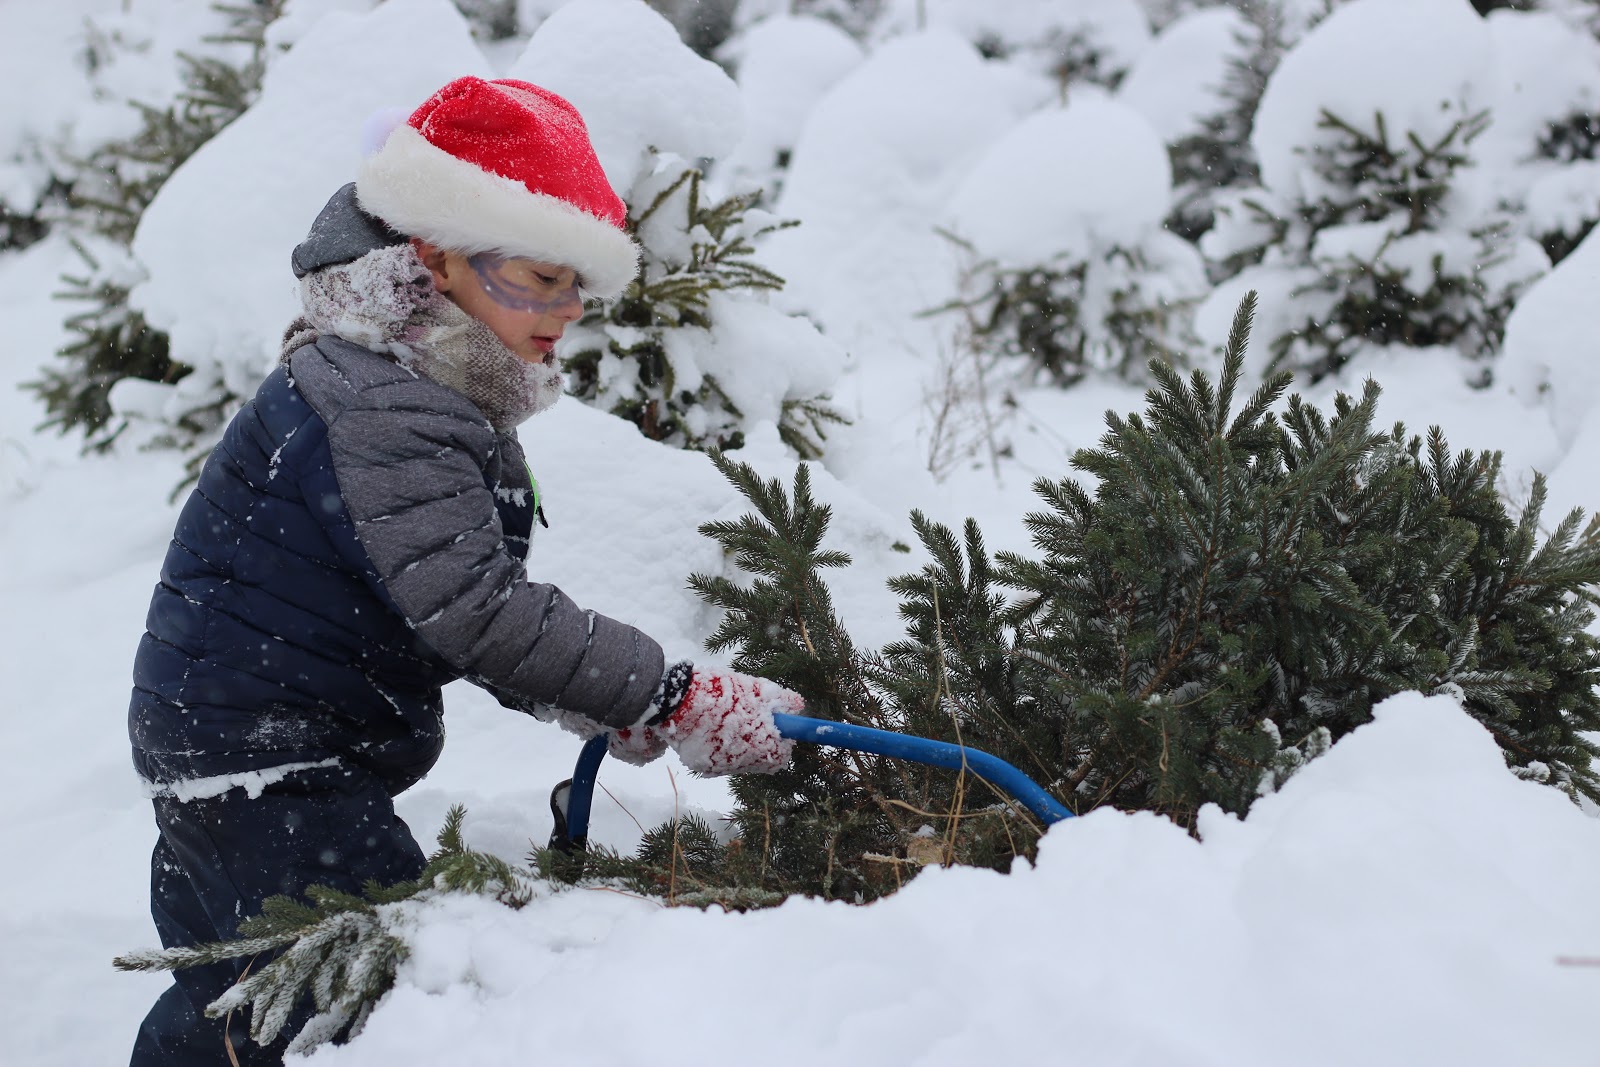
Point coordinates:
[[1401, 898]]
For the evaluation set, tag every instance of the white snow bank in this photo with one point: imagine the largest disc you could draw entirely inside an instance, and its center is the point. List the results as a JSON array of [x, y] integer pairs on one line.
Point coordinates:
[[1551, 355], [636, 84], [1075, 180], [1424, 64], [1405, 897], [217, 238], [1178, 80]]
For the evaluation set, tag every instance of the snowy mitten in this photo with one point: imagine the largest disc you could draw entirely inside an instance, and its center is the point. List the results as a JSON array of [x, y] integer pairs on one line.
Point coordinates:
[[724, 724], [642, 742], [637, 745]]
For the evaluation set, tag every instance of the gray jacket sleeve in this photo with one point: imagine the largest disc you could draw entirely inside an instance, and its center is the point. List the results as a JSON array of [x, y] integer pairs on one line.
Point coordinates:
[[410, 464]]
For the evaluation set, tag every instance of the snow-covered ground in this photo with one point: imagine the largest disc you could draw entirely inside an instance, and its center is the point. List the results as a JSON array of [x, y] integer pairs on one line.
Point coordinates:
[[1403, 900]]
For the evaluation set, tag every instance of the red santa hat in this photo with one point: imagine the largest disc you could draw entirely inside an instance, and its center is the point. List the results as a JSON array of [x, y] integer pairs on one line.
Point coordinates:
[[502, 166]]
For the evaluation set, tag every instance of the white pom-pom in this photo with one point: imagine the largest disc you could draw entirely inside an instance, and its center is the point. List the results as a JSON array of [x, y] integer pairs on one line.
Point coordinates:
[[379, 125]]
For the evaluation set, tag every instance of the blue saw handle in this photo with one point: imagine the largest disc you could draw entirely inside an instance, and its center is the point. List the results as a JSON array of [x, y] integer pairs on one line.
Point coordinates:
[[571, 801]]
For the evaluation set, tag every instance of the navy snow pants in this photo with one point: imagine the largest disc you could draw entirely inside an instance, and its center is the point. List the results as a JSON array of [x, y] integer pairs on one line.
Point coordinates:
[[218, 859]]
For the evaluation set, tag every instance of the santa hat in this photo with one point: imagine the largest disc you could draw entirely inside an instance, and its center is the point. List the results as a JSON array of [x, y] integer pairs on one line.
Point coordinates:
[[502, 166]]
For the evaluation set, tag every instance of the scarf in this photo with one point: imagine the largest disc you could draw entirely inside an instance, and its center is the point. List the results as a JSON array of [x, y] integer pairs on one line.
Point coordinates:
[[385, 301]]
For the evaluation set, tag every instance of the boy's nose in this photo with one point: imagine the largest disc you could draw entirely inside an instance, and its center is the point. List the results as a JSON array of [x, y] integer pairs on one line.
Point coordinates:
[[570, 306]]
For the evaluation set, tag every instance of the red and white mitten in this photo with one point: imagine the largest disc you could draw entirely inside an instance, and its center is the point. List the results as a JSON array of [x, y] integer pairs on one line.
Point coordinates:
[[637, 745], [724, 723]]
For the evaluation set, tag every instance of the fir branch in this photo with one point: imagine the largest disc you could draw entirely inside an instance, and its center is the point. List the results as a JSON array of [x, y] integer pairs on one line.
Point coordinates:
[[335, 951]]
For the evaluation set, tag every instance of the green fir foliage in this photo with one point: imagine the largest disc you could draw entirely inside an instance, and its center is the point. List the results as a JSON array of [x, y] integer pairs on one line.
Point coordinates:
[[1235, 569], [1232, 586], [810, 827]]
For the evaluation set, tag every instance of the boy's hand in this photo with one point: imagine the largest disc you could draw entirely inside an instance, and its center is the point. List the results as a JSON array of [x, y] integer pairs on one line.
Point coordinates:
[[724, 724]]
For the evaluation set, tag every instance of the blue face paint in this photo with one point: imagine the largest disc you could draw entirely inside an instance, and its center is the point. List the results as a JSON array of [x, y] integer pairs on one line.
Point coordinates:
[[515, 284]]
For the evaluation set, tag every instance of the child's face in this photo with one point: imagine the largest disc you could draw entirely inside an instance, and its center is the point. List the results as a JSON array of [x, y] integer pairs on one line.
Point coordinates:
[[526, 303]]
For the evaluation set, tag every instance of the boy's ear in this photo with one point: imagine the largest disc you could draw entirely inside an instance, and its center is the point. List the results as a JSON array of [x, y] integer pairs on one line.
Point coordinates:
[[433, 257]]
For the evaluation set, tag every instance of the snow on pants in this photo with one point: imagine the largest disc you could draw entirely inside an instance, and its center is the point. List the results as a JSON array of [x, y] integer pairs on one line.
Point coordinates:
[[218, 859]]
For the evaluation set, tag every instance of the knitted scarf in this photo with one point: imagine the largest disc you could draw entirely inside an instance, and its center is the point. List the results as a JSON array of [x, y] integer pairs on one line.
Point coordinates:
[[385, 301]]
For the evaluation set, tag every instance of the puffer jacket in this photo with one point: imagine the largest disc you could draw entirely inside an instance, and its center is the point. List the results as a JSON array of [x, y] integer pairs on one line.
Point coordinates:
[[356, 540]]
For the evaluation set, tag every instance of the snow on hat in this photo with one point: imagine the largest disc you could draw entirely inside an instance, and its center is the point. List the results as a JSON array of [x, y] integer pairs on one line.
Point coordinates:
[[502, 166]]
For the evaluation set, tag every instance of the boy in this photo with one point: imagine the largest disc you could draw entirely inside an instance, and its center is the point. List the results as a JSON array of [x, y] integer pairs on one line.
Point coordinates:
[[357, 539]]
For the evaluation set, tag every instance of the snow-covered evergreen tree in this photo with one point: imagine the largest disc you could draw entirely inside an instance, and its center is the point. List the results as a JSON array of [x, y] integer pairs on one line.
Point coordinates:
[[704, 25], [1374, 224], [107, 195], [1546, 131], [1088, 41], [689, 353], [50, 51], [1075, 273], [491, 20], [858, 18], [1200, 83]]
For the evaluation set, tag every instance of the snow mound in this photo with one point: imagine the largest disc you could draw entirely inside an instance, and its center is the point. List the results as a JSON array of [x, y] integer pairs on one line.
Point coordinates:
[[1038, 33], [876, 160], [1563, 199], [1178, 80], [762, 357], [1405, 893], [216, 240], [1074, 180], [784, 66], [1544, 71], [1424, 64], [1552, 350], [636, 84]]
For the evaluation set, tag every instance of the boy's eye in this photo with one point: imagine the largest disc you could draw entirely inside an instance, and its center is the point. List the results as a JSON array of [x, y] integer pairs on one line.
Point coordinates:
[[547, 279]]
